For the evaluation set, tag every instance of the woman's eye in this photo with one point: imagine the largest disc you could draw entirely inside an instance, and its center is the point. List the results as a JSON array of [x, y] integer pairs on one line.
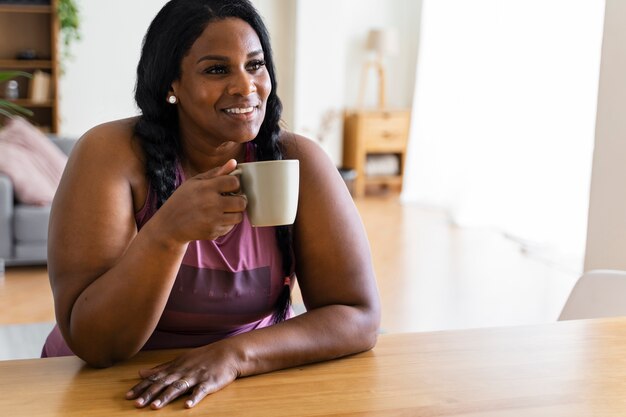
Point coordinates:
[[256, 65], [217, 69]]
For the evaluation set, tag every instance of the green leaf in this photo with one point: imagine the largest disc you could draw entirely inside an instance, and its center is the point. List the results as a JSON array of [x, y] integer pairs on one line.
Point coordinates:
[[7, 75], [69, 22], [13, 109], [5, 113]]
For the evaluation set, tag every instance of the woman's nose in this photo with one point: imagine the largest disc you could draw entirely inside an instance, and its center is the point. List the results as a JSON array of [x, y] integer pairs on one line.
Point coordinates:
[[242, 84]]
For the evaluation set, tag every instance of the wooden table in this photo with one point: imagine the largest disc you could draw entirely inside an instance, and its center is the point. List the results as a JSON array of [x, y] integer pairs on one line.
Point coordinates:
[[575, 368]]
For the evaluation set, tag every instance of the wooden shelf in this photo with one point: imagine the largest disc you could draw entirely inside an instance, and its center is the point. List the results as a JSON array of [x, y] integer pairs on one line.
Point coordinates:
[[31, 104], [25, 8], [35, 27], [25, 64]]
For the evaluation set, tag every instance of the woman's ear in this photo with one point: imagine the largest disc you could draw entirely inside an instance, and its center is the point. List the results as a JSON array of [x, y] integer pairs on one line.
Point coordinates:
[[173, 87]]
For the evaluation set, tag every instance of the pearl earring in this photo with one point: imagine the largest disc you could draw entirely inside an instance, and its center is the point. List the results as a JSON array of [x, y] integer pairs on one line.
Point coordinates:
[[172, 99]]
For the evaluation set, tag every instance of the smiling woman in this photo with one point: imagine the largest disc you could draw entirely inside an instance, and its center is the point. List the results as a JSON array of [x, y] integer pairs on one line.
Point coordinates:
[[150, 242]]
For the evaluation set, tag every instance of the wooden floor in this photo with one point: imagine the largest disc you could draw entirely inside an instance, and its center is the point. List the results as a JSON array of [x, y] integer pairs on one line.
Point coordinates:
[[431, 276]]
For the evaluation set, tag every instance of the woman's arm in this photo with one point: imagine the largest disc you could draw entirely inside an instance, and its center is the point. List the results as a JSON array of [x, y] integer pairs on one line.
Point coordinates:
[[335, 275], [110, 282], [334, 272]]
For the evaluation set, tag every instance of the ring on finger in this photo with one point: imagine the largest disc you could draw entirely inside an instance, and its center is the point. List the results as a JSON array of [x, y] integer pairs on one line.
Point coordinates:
[[182, 384]]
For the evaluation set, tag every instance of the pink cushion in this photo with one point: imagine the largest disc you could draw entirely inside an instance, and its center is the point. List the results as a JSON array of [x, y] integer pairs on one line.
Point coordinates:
[[32, 161]]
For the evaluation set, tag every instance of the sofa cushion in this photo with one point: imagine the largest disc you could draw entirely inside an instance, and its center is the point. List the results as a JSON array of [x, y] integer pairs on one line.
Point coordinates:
[[30, 223], [31, 160], [32, 253]]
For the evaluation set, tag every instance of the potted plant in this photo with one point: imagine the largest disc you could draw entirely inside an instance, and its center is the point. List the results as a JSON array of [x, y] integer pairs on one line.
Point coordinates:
[[69, 23]]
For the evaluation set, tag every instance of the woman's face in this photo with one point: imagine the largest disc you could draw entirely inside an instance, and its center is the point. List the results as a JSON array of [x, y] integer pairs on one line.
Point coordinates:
[[224, 84]]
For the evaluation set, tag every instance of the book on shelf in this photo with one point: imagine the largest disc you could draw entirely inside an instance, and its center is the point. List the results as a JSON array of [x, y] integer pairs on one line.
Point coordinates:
[[39, 90]]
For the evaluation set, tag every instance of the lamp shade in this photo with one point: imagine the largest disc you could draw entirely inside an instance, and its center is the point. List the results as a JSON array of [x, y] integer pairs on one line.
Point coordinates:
[[383, 41]]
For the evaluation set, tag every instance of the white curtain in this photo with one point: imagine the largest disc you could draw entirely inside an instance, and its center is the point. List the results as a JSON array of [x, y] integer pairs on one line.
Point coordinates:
[[504, 114]]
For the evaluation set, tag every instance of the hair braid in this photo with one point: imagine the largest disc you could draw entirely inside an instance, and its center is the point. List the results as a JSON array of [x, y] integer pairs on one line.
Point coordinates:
[[161, 151]]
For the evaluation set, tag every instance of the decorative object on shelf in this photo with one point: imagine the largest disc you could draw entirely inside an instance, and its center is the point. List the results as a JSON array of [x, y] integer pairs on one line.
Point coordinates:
[[12, 90], [7, 108], [27, 54], [382, 165], [380, 42], [39, 90], [69, 22]]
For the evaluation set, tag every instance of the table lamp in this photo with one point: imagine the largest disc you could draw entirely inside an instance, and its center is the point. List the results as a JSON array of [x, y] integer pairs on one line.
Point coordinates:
[[380, 42]]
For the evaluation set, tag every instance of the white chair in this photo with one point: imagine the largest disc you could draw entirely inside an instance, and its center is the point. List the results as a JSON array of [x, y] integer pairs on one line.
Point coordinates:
[[597, 293]]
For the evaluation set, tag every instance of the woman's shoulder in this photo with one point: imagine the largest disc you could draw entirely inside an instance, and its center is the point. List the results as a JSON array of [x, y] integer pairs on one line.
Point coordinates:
[[111, 148], [296, 146], [114, 140], [112, 152], [317, 169], [116, 132]]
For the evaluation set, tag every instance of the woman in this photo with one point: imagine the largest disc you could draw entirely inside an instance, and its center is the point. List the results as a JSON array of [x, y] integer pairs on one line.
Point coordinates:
[[150, 244]]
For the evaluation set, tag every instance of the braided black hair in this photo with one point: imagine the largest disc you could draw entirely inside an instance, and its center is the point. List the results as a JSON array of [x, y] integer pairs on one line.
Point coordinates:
[[169, 38]]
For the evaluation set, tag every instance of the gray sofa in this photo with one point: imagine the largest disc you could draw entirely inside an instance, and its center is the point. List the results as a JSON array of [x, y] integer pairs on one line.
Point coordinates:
[[24, 228]]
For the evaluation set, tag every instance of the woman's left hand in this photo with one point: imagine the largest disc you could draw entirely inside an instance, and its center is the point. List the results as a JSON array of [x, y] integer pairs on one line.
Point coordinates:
[[203, 370]]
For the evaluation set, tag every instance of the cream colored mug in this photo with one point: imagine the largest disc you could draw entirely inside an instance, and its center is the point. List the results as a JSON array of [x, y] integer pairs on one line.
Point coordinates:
[[271, 188]]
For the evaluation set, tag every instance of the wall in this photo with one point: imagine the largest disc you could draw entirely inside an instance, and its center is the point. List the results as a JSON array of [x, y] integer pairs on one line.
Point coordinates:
[[319, 55], [98, 84], [330, 55], [606, 232], [280, 19]]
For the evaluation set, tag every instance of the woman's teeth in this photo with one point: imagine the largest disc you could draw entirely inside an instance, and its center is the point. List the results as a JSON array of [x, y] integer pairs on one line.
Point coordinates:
[[240, 110]]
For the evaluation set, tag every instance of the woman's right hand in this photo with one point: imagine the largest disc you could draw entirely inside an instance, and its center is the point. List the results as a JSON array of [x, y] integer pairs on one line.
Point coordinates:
[[204, 207]]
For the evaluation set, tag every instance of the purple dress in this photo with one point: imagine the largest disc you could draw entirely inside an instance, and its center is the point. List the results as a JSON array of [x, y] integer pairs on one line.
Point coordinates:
[[224, 287]]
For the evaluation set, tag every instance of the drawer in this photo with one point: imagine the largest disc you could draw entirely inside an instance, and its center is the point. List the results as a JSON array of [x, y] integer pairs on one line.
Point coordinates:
[[385, 132]]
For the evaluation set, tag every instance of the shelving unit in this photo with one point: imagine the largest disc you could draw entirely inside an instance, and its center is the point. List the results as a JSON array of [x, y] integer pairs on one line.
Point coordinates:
[[32, 27], [375, 132]]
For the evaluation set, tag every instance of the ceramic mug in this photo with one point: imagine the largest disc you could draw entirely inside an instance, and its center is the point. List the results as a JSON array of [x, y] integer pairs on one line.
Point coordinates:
[[271, 188]]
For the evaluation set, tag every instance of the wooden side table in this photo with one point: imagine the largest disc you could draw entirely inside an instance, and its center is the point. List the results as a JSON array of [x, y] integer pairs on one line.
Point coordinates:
[[375, 132]]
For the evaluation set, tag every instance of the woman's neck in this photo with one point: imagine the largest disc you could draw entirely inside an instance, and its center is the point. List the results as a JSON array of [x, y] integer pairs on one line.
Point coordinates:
[[198, 159]]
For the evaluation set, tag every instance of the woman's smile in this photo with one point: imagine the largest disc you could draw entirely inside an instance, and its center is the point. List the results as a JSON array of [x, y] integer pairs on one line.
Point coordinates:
[[242, 113]]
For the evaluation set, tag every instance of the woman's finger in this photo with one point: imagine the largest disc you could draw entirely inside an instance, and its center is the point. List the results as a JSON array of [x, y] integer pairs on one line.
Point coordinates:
[[175, 390], [205, 388], [225, 169], [135, 391], [153, 388], [150, 376], [199, 392], [235, 203], [150, 387]]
